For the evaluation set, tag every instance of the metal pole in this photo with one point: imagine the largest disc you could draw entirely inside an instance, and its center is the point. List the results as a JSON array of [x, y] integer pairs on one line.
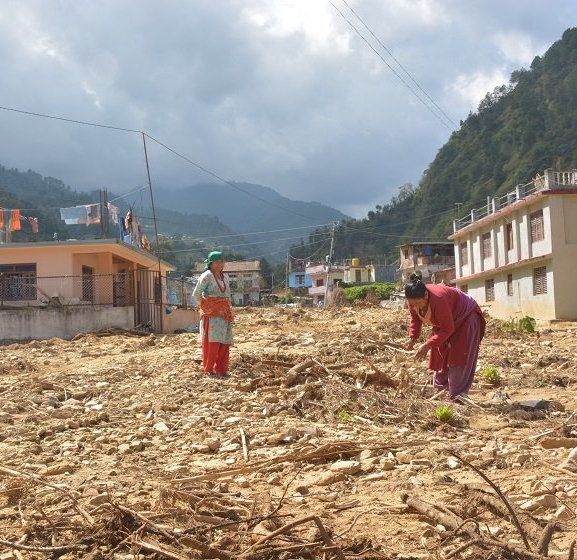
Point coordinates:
[[329, 265], [154, 219]]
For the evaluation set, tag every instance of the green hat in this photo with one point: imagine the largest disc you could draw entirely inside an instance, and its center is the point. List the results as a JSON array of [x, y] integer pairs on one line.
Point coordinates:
[[213, 256]]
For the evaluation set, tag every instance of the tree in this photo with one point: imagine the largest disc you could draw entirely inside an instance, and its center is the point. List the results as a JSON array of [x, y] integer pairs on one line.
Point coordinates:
[[266, 273]]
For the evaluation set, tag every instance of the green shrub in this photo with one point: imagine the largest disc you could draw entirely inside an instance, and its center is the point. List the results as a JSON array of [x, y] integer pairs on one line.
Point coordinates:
[[383, 290], [443, 413], [491, 375], [286, 298], [525, 324]]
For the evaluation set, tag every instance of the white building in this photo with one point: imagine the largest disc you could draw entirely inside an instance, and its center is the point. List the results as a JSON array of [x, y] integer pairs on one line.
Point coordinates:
[[244, 278], [518, 256], [324, 278]]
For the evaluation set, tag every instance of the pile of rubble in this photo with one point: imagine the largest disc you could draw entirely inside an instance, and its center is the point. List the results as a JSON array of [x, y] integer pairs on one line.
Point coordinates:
[[325, 443]]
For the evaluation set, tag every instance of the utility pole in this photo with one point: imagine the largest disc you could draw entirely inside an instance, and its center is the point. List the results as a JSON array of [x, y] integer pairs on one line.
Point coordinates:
[[458, 209], [329, 263], [286, 274]]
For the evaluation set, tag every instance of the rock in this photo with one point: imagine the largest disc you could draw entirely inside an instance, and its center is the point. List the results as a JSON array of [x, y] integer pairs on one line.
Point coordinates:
[[346, 467], [452, 463], [538, 488], [564, 513], [387, 464], [60, 468], [403, 457], [545, 501], [329, 478], [161, 427]]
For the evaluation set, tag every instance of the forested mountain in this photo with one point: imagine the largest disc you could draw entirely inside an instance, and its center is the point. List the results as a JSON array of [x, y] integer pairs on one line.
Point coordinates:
[[519, 130], [184, 237]]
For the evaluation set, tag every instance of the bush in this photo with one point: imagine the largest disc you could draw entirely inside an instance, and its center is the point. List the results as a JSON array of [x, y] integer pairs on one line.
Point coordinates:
[[383, 291], [286, 298]]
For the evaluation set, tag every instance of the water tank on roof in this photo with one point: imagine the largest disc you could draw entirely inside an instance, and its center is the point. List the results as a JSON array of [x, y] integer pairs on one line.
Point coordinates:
[[355, 262]]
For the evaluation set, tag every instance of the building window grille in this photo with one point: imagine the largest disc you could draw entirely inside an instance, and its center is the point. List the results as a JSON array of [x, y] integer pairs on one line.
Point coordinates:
[[17, 282], [490, 290], [539, 280], [537, 227], [487, 245]]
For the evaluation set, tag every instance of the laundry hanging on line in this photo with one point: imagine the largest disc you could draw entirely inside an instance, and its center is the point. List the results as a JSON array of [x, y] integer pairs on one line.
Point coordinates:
[[87, 214]]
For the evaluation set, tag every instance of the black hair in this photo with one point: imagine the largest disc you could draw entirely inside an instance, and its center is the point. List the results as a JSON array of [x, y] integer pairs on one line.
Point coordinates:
[[415, 289]]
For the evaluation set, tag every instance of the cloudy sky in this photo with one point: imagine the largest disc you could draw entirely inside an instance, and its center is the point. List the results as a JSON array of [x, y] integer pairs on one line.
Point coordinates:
[[329, 100]]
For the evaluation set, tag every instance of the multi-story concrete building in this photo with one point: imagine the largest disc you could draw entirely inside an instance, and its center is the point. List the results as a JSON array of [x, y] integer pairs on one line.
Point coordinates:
[[435, 261], [244, 278], [324, 278], [518, 255]]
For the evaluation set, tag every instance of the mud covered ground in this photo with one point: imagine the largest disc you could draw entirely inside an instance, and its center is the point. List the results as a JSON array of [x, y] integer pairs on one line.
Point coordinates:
[[324, 443]]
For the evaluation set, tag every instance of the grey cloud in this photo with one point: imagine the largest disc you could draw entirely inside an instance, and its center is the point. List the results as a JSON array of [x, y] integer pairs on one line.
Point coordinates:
[[326, 124]]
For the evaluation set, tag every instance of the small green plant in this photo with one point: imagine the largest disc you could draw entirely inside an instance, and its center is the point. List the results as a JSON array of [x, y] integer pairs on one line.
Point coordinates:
[[527, 324], [491, 375], [344, 414], [443, 413], [524, 324]]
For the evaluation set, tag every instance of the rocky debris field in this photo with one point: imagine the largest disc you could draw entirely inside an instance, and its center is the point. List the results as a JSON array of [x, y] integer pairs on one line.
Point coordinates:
[[325, 443]]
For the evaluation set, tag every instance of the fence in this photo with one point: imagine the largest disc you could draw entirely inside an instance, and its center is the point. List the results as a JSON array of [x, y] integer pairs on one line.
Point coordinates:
[[27, 289], [179, 292], [550, 180]]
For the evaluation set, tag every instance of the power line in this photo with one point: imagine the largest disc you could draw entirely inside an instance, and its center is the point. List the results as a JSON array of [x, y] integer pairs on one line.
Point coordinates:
[[400, 65], [391, 68], [74, 121], [162, 144]]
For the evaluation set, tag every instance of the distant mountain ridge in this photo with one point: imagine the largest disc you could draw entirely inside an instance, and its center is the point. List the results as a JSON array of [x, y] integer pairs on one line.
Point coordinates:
[[210, 213], [247, 207]]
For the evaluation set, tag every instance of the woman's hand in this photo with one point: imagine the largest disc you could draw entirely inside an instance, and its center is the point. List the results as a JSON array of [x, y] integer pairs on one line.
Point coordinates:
[[422, 351], [411, 344]]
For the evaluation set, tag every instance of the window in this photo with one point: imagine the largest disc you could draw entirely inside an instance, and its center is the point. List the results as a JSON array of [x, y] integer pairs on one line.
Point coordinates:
[[406, 253], [487, 245], [509, 284], [319, 282], [17, 282], [537, 229], [299, 279], [464, 254], [539, 280], [490, 290], [509, 237], [232, 281]]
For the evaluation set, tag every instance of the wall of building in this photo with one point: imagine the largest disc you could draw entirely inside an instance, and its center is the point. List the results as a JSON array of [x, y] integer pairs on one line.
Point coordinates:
[[180, 319], [564, 239], [522, 302], [65, 322]]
